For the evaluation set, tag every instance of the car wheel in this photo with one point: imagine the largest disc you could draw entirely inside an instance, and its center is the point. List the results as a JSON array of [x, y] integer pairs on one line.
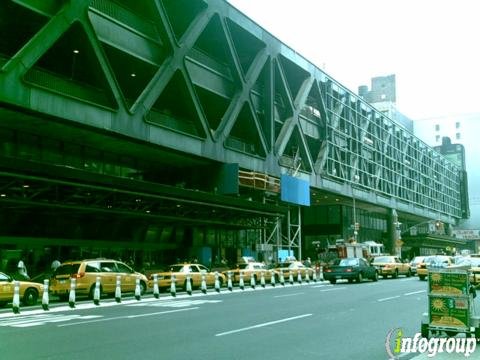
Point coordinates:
[[384, 276], [350, 281], [375, 276], [359, 278], [395, 274], [409, 273], [3, 303], [333, 281], [30, 297], [143, 288], [421, 277]]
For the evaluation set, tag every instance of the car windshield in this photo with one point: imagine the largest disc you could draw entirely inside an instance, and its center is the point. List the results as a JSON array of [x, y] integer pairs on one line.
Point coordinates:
[[176, 268], [470, 262], [348, 262], [67, 269], [417, 260], [383, 259]]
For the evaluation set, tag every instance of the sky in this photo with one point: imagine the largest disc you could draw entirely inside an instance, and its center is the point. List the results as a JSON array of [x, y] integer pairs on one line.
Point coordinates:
[[432, 46]]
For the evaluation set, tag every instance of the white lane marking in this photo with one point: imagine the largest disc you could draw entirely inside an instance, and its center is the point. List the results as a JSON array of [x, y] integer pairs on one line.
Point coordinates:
[[128, 317], [294, 294], [263, 324], [176, 303], [414, 292], [389, 298], [321, 286], [36, 320], [334, 289]]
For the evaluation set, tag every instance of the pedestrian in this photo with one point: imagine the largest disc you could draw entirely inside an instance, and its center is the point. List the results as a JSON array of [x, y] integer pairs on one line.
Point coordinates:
[[22, 270], [55, 265], [308, 262]]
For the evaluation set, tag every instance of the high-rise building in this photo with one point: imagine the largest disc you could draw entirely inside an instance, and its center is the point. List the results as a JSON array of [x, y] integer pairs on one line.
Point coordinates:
[[383, 96], [462, 133]]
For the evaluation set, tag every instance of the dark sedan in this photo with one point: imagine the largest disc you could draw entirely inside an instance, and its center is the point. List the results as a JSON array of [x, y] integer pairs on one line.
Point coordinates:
[[350, 269]]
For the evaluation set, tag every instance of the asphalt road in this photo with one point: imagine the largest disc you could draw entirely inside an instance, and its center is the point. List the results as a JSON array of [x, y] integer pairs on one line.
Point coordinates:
[[308, 321]]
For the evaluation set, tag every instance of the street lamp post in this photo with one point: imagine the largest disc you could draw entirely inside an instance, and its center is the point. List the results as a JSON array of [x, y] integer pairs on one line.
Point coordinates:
[[356, 178]]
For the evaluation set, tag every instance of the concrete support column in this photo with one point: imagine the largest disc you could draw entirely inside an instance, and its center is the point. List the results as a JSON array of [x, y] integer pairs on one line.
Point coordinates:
[[393, 245]]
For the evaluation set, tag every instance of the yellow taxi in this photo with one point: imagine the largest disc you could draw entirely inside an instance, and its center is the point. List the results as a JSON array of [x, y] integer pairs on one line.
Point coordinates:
[[29, 291], [86, 271], [251, 269], [437, 261], [473, 265], [181, 271], [391, 266], [295, 267]]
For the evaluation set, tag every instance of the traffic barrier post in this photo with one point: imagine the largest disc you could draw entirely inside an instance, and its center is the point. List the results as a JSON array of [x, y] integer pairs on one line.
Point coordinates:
[[138, 292], [282, 278], [217, 282], [204, 283], [118, 289], [241, 282], [16, 298], [96, 292], [156, 290], [272, 278], [229, 282], [71, 295], [173, 288], [188, 284], [45, 299]]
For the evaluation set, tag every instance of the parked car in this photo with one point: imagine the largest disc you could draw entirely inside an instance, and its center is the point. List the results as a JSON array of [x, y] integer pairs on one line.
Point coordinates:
[[351, 269], [181, 271], [415, 262], [473, 265], [391, 266], [86, 271], [251, 269], [28, 291], [294, 267], [437, 261]]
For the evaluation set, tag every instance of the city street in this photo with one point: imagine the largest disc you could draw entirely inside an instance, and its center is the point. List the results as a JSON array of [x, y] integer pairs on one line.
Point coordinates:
[[308, 321]]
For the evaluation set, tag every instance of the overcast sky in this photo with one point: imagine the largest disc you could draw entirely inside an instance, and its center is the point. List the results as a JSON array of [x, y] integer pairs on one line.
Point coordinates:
[[432, 46]]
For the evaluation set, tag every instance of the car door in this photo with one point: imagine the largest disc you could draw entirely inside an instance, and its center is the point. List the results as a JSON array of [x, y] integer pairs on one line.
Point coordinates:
[[364, 268], [6, 287], [127, 276], [108, 274], [195, 275]]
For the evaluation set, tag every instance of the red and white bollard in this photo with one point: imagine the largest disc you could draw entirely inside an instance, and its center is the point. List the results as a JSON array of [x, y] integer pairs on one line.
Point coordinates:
[[96, 292], [229, 282], [290, 277], [156, 290], [118, 289], [241, 282], [138, 291], [272, 278], [16, 298], [45, 299], [203, 286], [217, 282], [71, 295], [188, 284], [282, 278], [262, 279], [173, 288]]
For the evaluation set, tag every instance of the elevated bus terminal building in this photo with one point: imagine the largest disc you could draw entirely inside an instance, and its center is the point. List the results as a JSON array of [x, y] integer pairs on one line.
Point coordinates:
[[165, 130]]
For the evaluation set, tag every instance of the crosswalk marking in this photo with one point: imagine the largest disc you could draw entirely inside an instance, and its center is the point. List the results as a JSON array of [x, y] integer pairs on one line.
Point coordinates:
[[36, 320]]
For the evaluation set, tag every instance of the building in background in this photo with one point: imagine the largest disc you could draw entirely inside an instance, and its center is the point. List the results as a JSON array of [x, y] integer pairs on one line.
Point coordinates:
[[383, 96], [462, 133], [455, 137]]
